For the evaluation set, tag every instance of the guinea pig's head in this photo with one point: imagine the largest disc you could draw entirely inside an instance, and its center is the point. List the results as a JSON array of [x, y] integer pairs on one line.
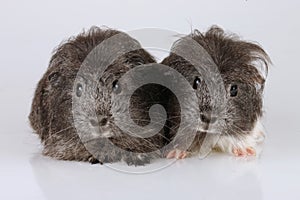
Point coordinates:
[[243, 67], [82, 96], [99, 99]]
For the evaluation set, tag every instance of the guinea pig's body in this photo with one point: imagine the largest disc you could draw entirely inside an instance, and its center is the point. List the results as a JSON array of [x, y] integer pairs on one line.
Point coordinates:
[[52, 113], [236, 125]]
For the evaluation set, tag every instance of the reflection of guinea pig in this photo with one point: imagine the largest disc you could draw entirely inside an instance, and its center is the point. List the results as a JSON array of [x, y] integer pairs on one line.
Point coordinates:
[[51, 113], [239, 119]]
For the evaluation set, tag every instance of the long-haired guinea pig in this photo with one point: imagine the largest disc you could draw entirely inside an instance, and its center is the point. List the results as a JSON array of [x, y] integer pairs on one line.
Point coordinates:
[[52, 115], [242, 66]]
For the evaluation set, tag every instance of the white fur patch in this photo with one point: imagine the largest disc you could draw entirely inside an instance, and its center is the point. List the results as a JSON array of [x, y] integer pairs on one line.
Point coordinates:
[[107, 134], [227, 143]]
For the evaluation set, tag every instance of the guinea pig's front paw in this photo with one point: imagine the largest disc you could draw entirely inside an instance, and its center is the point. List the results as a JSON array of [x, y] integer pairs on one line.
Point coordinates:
[[137, 160], [242, 152], [93, 161], [178, 154]]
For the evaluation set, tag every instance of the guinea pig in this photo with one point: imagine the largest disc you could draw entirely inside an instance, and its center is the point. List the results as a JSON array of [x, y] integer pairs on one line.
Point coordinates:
[[234, 123], [52, 111]]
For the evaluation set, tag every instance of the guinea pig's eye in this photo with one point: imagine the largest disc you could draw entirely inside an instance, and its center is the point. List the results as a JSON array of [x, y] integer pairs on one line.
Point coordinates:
[[233, 90], [116, 87], [196, 83], [79, 90]]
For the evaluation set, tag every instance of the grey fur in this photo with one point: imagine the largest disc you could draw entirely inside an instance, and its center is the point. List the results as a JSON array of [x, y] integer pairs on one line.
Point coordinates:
[[51, 113], [237, 64]]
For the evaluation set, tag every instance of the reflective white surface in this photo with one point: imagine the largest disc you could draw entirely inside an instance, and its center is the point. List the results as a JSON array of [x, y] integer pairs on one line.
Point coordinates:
[[31, 29], [25, 174]]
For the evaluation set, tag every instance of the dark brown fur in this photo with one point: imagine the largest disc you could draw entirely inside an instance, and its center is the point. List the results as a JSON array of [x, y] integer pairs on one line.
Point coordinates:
[[51, 112], [235, 60]]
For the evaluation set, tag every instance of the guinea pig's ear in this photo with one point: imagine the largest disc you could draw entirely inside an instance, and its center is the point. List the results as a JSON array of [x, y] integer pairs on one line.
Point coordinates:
[[258, 59], [260, 87], [261, 66], [54, 79]]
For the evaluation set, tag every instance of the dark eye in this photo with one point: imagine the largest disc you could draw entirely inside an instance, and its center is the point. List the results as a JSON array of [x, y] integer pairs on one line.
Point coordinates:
[[196, 83], [233, 90], [79, 90], [53, 76], [116, 87], [54, 79]]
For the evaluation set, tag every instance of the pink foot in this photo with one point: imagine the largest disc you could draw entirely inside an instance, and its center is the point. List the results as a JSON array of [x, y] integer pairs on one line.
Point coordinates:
[[176, 153], [249, 151]]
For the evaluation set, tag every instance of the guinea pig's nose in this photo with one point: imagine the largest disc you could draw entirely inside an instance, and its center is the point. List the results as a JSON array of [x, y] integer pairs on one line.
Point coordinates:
[[102, 121], [207, 118]]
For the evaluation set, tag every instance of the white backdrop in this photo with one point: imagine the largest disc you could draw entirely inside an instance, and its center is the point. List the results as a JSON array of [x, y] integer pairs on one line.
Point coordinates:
[[31, 29]]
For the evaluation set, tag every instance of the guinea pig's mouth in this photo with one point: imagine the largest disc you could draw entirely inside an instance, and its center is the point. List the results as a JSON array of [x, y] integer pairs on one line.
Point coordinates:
[[201, 130], [107, 134], [102, 132]]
